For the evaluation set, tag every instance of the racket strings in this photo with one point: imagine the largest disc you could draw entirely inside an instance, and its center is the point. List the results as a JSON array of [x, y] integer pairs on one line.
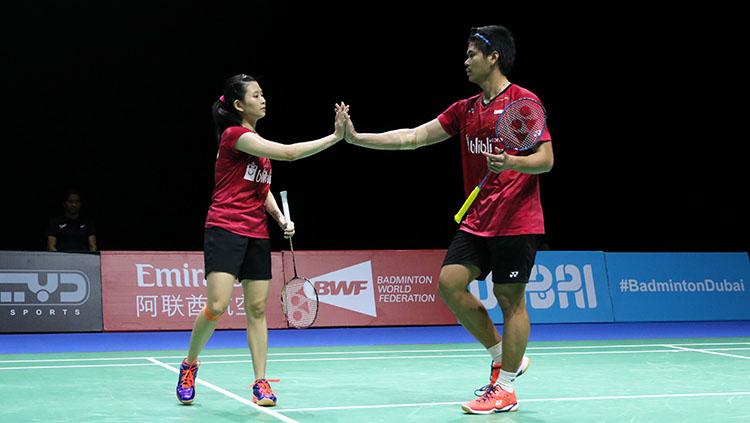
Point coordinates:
[[521, 124], [300, 302]]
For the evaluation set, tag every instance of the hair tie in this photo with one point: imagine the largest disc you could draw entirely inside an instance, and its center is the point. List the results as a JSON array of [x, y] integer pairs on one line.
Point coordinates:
[[221, 99]]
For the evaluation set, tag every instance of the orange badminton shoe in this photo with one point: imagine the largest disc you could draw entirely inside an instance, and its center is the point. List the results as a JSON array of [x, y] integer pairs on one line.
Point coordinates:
[[494, 400]]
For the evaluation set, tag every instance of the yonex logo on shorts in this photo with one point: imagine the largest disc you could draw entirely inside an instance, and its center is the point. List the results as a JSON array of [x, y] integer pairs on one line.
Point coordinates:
[[43, 288]]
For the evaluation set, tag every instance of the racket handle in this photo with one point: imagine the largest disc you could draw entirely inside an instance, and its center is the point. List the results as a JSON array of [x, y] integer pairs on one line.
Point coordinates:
[[467, 204], [285, 206]]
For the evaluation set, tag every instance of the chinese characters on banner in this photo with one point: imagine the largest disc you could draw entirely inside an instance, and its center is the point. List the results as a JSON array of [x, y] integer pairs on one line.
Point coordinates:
[[167, 290]]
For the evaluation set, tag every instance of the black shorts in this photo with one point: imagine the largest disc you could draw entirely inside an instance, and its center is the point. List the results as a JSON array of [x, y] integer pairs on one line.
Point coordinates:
[[510, 258], [241, 256]]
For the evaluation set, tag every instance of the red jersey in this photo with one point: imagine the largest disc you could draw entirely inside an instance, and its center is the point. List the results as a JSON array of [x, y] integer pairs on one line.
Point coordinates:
[[242, 182], [509, 202]]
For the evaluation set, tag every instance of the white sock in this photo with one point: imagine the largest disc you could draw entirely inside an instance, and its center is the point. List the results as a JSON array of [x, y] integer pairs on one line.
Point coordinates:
[[505, 380], [496, 351]]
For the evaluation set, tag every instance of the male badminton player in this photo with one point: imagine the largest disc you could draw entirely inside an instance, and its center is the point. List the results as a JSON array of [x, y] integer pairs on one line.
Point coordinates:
[[236, 244], [502, 230]]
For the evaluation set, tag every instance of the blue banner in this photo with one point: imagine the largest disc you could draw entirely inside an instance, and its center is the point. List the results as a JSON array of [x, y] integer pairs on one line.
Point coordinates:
[[679, 286], [564, 287]]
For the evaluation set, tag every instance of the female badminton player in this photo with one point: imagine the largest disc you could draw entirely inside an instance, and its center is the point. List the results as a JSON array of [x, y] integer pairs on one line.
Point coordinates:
[[236, 243]]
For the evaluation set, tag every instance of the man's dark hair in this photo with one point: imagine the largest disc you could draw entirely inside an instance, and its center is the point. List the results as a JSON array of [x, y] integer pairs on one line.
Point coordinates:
[[495, 38]]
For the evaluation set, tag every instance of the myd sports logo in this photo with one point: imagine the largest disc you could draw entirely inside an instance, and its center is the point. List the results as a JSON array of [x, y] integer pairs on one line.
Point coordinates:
[[43, 288]]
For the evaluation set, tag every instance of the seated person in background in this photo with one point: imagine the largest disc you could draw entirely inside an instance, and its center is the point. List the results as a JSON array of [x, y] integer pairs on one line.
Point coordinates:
[[70, 232]]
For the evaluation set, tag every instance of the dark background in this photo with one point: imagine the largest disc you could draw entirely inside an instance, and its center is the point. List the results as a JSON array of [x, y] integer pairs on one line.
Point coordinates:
[[114, 99]]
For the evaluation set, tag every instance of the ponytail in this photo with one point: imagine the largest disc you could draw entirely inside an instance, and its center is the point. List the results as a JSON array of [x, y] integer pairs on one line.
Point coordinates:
[[223, 111]]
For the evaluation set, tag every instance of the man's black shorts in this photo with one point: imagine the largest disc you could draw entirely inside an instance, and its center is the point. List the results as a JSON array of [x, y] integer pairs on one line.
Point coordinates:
[[510, 258]]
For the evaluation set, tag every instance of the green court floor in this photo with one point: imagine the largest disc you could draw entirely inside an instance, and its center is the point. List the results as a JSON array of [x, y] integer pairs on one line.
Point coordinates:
[[667, 380]]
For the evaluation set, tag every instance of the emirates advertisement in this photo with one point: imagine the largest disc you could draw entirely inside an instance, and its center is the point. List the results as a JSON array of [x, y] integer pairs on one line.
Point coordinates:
[[167, 290]]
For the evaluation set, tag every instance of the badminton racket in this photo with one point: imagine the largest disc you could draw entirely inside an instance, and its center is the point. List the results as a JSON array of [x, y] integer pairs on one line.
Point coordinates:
[[299, 299]]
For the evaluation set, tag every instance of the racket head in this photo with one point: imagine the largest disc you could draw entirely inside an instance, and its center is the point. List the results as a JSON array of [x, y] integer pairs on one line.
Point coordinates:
[[521, 124], [299, 301]]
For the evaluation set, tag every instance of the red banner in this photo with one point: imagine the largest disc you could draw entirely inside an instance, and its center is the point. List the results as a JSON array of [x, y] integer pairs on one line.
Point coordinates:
[[167, 290], [374, 288]]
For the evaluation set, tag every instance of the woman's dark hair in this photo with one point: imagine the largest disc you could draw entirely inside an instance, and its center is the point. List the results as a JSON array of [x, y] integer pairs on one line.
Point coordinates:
[[495, 38], [225, 115]]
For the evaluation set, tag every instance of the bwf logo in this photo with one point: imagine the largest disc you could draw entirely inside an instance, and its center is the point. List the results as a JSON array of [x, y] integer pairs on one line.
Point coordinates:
[[340, 287], [43, 288], [351, 288]]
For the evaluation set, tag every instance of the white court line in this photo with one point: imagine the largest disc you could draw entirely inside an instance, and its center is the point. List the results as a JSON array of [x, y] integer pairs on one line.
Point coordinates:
[[389, 357], [53, 360], [287, 360], [410, 357], [227, 393], [596, 398], [706, 352], [76, 366]]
